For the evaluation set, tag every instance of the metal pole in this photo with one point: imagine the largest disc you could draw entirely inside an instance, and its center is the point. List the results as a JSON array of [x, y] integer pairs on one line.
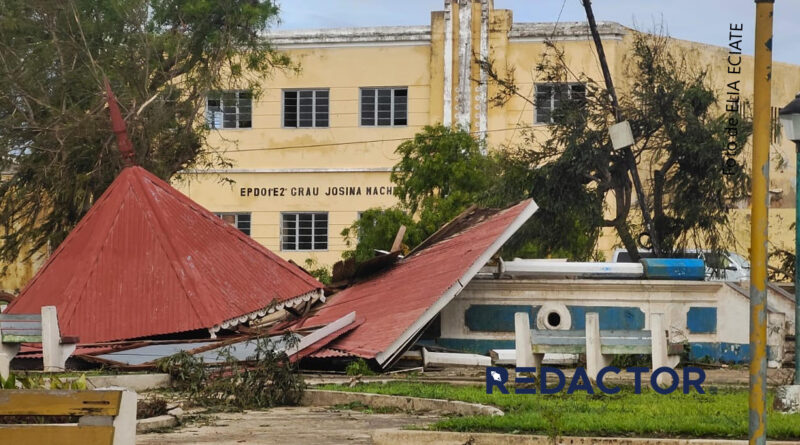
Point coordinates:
[[797, 267], [759, 218]]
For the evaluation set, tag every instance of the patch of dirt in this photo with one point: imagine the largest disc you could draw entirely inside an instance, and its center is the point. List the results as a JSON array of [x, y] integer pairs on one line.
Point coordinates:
[[278, 426]]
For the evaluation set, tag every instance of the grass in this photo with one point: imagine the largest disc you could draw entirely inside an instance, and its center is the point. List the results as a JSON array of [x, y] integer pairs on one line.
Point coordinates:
[[720, 413]]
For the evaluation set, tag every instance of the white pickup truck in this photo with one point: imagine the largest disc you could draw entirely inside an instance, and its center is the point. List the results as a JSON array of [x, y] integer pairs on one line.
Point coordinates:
[[722, 266]]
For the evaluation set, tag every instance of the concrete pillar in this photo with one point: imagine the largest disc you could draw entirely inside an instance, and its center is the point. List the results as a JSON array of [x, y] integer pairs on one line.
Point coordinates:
[[125, 422], [54, 354], [595, 360], [7, 353], [658, 348], [522, 341]]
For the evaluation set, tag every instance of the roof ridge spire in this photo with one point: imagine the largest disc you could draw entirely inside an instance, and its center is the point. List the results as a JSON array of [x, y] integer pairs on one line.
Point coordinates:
[[118, 126]]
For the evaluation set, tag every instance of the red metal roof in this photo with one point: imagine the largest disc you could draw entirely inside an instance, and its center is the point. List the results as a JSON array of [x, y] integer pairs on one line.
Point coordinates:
[[147, 260], [398, 303]]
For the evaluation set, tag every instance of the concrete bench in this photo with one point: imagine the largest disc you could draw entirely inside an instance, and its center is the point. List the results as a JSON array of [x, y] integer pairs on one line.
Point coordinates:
[[105, 417], [16, 329], [599, 346]]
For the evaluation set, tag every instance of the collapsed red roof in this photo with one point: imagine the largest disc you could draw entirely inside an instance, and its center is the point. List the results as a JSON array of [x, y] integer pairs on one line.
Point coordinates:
[[399, 303], [147, 260]]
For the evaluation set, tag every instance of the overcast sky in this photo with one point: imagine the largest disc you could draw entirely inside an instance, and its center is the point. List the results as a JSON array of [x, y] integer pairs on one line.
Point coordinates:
[[699, 20]]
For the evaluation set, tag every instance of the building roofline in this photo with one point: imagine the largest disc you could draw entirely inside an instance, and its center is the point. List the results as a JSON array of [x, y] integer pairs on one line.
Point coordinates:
[[421, 34]]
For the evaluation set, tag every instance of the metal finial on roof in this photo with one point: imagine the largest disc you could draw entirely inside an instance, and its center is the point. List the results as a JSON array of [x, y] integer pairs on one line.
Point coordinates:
[[118, 126]]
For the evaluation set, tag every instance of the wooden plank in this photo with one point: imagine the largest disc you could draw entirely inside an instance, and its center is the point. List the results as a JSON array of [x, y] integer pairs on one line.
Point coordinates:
[[20, 325], [21, 317], [9, 338], [558, 341], [564, 349], [624, 349], [66, 434], [59, 403], [31, 330], [626, 334], [556, 333], [625, 342]]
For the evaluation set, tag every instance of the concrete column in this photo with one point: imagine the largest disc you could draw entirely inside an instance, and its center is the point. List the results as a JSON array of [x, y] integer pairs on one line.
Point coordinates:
[[595, 360], [464, 98], [522, 341], [447, 112], [54, 354], [658, 348], [7, 353]]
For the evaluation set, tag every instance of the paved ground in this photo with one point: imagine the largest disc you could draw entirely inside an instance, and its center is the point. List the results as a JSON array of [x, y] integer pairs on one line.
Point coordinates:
[[278, 426]]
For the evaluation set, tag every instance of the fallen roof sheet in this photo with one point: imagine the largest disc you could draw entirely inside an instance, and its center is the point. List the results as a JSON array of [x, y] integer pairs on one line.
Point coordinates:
[[147, 260], [399, 303]]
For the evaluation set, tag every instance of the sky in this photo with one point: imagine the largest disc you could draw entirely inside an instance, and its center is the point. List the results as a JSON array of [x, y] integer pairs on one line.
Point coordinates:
[[704, 21]]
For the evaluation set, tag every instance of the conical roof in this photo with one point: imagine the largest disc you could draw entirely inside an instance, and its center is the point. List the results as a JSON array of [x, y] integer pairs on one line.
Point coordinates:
[[146, 260]]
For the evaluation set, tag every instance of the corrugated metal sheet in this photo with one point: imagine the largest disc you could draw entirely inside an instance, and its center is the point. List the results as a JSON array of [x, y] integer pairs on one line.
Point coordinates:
[[401, 301], [147, 260], [330, 353]]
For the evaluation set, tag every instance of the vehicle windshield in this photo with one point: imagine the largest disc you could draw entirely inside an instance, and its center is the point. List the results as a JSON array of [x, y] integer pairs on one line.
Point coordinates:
[[740, 259]]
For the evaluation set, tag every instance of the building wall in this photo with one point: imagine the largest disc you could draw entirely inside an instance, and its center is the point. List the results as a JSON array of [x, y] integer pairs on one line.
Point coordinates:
[[348, 154], [708, 316]]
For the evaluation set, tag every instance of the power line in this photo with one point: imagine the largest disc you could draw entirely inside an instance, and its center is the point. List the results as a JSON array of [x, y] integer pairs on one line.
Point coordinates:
[[332, 144]]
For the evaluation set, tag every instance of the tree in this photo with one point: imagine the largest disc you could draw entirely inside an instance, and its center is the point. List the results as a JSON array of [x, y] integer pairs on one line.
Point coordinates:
[[441, 172], [681, 132], [162, 58]]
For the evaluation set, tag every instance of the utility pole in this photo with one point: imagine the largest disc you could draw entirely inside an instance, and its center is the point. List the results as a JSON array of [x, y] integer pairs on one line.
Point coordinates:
[[759, 212], [626, 152]]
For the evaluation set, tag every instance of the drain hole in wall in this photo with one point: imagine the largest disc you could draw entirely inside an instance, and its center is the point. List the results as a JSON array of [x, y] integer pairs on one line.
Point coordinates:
[[553, 319]]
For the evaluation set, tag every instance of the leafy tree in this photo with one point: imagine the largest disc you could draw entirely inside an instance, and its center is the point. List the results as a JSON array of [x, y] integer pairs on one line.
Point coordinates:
[[162, 58], [441, 172], [681, 132]]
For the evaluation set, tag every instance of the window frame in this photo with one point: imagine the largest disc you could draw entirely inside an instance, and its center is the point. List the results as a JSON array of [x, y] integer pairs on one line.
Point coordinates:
[[235, 225], [569, 86], [375, 111], [210, 122], [297, 235], [297, 112]]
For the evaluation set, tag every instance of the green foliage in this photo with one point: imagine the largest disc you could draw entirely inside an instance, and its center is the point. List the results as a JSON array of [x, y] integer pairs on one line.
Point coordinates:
[[358, 367], [322, 273], [42, 381], [441, 172], [267, 379], [376, 229], [721, 413], [161, 56], [681, 130]]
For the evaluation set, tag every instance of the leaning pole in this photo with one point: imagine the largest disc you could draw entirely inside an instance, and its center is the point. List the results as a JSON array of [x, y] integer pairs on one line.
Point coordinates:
[[759, 219]]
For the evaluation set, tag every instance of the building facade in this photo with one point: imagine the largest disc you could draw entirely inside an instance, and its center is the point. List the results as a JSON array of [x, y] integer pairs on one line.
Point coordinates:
[[316, 148]]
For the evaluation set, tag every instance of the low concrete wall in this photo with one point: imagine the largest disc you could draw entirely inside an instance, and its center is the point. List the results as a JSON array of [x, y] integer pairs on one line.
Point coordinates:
[[414, 437], [315, 397], [134, 382]]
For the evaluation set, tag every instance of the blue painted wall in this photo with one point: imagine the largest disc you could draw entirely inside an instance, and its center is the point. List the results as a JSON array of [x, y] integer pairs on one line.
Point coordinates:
[[475, 346], [723, 352], [496, 317], [702, 320], [611, 317]]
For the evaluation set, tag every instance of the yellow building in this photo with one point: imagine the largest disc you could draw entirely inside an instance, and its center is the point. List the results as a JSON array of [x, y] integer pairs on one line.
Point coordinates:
[[317, 146]]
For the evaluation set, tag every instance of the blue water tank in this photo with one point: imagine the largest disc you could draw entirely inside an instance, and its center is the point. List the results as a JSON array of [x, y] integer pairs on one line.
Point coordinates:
[[674, 268]]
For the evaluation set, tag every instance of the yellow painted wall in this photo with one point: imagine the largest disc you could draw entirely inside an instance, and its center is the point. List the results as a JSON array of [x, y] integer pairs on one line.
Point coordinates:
[[268, 152]]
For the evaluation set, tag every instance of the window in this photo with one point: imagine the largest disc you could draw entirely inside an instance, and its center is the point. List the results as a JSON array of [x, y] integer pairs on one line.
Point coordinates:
[[549, 98], [229, 109], [305, 108], [304, 231], [239, 220], [384, 106]]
